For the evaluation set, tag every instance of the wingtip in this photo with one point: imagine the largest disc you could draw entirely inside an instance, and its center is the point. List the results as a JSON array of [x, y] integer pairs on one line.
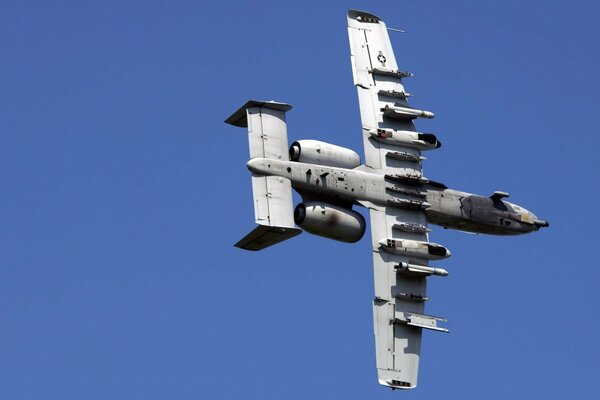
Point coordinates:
[[363, 16], [394, 384]]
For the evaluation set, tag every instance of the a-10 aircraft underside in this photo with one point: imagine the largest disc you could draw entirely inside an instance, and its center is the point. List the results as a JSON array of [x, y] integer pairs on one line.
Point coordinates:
[[390, 184]]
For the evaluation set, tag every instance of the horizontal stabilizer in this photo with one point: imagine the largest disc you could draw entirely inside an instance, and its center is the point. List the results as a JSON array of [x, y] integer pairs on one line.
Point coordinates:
[[264, 236], [267, 135]]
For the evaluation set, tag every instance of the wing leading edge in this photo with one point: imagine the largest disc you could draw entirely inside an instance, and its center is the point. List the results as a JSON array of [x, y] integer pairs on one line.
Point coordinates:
[[399, 274]]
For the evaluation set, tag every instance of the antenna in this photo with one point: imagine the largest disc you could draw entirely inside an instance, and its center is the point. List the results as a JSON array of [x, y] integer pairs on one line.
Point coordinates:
[[396, 30]]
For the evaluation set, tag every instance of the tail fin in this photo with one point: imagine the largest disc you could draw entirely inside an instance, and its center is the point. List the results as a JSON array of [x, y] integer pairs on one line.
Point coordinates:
[[273, 209]]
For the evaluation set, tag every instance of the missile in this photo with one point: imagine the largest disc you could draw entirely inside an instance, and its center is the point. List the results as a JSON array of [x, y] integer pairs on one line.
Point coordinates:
[[394, 94], [404, 156], [396, 112], [409, 204], [406, 190], [417, 298], [411, 227], [407, 178], [391, 72], [404, 267]]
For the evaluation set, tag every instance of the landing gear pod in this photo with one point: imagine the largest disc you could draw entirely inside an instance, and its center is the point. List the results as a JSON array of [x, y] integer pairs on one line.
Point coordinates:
[[415, 140], [415, 248], [330, 221]]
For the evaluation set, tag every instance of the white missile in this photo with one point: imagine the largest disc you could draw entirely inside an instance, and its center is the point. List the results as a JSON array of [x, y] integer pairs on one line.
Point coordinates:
[[420, 269], [396, 112]]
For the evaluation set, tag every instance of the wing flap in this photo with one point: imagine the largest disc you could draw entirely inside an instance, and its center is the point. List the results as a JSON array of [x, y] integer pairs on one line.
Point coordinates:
[[273, 202]]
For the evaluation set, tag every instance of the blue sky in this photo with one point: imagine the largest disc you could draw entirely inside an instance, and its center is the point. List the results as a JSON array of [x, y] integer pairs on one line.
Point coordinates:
[[123, 192]]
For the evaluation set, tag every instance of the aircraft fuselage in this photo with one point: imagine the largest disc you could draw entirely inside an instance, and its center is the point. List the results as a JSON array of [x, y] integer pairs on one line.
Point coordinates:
[[444, 207]]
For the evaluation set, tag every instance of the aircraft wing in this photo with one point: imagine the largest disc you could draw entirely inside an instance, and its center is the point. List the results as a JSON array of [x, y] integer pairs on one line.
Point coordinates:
[[400, 280], [381, 94]]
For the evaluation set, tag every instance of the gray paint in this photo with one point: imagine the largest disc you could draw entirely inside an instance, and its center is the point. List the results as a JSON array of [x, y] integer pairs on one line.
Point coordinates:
[[447, 208], [401, 201]]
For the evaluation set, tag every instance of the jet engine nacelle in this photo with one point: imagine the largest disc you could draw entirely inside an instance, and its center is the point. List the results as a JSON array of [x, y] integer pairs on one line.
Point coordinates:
[[321, 153], [330, 221]]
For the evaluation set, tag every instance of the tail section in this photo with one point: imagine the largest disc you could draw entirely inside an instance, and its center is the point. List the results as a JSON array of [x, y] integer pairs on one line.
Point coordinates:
[[273, 208]]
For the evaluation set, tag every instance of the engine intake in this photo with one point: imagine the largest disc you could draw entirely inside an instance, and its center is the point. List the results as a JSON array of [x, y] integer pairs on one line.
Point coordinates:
[[330, 221], [321, 153]]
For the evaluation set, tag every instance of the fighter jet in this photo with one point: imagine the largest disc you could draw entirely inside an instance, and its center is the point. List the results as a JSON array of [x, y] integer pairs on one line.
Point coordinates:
[[401, 201]]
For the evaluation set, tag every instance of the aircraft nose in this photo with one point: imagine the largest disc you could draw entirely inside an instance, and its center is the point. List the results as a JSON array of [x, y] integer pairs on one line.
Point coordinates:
[[538, 223]]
